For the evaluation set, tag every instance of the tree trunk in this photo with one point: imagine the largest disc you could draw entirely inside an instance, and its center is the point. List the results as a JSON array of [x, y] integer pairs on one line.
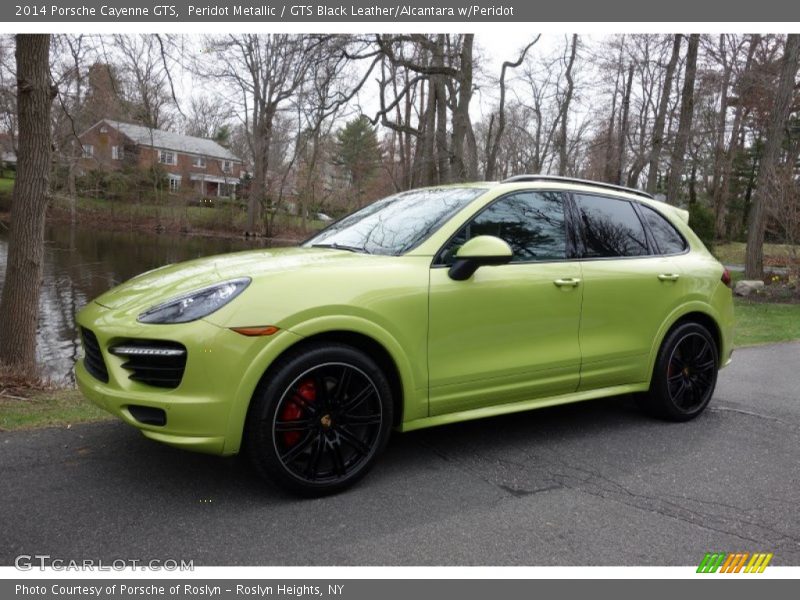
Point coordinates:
[[765, 186], [461, 170], [608, 167], [661, 116], [562, 138], [623, 127], [678, 155], [19, 307], [722, 192], [722, 121], [494, 140]]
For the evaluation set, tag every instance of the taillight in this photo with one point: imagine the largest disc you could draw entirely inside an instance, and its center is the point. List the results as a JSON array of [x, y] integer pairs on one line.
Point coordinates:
[[726, 277]]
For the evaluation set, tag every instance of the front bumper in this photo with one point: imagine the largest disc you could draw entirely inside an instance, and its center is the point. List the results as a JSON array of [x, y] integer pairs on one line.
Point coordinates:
[[206, 412]]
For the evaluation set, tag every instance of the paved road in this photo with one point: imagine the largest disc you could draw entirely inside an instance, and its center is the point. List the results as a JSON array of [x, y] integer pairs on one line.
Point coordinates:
[[594, 483]]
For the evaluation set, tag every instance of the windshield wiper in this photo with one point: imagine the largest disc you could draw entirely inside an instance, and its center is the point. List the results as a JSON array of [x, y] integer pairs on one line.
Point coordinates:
[[336, 246]]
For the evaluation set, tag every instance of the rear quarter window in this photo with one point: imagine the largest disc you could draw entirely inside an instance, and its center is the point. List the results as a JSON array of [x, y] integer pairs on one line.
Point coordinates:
[[609, 227], [667, 238]]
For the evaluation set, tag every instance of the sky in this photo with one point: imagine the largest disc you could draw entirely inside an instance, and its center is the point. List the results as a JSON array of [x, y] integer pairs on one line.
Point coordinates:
[[492, 50]]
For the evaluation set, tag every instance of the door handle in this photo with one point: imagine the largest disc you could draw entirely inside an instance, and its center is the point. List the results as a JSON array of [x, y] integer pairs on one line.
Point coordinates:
[[569, 282], [669, 276]]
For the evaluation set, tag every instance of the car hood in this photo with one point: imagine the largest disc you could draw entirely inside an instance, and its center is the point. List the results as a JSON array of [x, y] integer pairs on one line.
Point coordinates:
[[162, 284]]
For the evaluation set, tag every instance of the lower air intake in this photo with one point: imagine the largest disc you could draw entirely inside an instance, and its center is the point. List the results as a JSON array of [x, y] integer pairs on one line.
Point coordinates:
[[153, 362]]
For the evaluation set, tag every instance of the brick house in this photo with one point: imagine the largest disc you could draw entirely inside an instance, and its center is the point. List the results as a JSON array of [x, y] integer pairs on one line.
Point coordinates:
[[190, 163]]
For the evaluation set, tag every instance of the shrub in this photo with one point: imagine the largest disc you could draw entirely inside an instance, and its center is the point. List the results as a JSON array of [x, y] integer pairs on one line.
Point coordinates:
[[701, 220]]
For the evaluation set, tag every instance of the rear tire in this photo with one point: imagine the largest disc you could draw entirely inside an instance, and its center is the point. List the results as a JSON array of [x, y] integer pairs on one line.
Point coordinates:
[[684, 376], [319, 420]]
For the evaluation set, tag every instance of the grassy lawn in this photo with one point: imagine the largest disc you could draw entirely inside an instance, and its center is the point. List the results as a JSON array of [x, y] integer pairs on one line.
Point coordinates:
[[6, 185], [732, 253], [761, 323], [52, 408]]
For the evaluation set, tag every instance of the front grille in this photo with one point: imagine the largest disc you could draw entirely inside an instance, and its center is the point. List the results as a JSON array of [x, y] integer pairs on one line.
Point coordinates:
[[92, 356], [154, 362]]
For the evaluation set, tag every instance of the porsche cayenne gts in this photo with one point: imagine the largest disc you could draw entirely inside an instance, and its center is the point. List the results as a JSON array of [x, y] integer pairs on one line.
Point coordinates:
[[428, 307]]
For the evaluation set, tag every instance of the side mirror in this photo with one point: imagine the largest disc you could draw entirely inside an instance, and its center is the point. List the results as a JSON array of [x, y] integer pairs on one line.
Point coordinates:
[[480, 251]]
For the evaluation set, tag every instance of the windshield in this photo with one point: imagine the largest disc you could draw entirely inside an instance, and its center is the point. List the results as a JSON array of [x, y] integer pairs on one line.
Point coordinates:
[[396, 224]]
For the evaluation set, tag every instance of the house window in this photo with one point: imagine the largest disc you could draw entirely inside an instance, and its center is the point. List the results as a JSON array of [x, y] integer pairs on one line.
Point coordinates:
[[199, 162], [167, 158], [174, 182], [88, 151], [227, 190], [227, 166], [117, 152]]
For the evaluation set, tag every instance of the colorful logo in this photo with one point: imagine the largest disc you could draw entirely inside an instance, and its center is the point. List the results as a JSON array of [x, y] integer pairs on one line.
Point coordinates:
[[734, 562]]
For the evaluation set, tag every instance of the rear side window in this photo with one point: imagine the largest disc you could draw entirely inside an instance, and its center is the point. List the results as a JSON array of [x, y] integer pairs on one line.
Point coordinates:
[[668, 240], [609, 227], [532, 223]]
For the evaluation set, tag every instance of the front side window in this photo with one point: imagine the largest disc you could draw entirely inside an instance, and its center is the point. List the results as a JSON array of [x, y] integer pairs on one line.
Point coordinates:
[[167, 158], [227, 166], [609, 227], [116, 152], [174, 183], [88, 151], [199, 162], [668, 240], [396, 224], [532, 223]]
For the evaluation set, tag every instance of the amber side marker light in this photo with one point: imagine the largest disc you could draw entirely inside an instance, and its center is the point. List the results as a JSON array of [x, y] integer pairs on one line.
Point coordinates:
[[256, 331]]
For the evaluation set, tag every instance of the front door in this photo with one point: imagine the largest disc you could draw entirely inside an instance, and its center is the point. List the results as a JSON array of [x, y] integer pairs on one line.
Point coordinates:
[[509, 333]]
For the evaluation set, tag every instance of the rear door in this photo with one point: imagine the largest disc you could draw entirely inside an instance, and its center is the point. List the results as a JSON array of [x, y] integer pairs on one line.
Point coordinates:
[[630, 288], [510, 332]]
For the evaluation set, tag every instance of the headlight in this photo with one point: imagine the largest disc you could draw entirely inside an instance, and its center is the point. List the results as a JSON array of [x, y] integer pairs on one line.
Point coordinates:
[[197, 304]]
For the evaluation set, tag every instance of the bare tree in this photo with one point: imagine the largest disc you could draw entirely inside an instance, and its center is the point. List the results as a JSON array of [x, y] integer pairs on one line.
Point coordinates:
[[721, 196], [678, 155], [623, 126], [146, 78], [494, 137], [564, 108], [661, 115], [209, 117], [767, 173], [437, 71], [19, 306], [266, 71]]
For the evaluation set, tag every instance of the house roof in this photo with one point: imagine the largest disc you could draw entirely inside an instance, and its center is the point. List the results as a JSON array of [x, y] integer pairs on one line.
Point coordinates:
[[168, 140]]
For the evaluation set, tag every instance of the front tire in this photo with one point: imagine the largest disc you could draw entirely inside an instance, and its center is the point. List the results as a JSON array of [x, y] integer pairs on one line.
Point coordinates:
[[685, 374], [320, 419]]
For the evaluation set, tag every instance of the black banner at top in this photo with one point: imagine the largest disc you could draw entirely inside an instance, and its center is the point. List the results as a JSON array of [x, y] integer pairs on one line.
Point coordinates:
[[402, 11]]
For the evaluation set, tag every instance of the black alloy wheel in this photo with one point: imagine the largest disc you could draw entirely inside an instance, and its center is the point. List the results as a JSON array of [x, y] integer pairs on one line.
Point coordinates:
[[320, 422], [685, 374]]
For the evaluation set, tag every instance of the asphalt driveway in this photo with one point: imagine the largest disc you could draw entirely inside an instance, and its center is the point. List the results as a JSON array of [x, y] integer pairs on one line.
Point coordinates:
[[594, 483]]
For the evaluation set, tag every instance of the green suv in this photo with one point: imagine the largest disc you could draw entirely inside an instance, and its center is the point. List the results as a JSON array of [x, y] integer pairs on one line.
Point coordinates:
[[428, 307]]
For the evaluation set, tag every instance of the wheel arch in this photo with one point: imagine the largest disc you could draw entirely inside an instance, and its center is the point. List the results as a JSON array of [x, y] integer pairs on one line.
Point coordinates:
[[701, 314], [371, 347], [409, 397]]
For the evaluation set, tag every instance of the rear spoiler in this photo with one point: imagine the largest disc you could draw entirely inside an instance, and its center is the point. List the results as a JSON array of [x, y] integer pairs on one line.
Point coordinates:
[[682, 213]]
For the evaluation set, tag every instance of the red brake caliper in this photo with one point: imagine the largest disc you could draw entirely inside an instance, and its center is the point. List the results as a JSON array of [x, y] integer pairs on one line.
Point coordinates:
[[293, 410]]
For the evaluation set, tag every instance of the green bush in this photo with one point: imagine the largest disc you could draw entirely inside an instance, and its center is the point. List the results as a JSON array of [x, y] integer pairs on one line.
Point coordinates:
[[701, 220]]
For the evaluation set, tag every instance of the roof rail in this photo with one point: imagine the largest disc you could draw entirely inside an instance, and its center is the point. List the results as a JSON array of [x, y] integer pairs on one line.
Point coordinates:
[[559, 179]]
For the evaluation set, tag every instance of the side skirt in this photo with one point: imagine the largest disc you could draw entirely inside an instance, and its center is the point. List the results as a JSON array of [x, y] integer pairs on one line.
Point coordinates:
[[503, 409]]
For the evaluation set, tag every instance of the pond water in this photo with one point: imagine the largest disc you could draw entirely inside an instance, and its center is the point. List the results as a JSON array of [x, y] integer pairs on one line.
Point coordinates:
[[81, 263]]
